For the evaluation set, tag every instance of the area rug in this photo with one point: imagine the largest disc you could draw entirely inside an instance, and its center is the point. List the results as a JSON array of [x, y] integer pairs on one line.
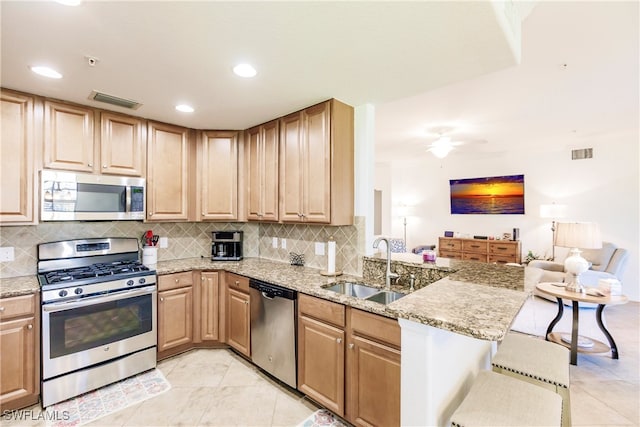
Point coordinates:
[[537, 313], [98, 403], [322, 418]]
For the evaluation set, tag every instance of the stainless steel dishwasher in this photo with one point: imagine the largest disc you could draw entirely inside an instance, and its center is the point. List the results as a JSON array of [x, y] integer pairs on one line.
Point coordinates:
[[273, 330]]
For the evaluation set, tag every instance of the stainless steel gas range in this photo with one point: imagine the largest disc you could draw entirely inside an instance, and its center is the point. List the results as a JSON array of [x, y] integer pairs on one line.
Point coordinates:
[[98, 315]]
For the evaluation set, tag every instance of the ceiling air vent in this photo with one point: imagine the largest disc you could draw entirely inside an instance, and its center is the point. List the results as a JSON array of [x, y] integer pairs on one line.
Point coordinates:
[[114, 100], [582, 153]]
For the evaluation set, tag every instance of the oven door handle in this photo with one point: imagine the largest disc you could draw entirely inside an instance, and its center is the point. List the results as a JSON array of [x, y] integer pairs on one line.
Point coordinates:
[[98, 299]]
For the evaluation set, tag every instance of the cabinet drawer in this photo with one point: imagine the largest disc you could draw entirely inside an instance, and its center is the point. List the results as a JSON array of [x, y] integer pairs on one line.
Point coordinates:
[[24, 305], [450, 244], [502, 259], [503, 248], [320, 309], [476, 246], [239, 283], [376, 327], [450, 254], [174, 281], [471, 256]]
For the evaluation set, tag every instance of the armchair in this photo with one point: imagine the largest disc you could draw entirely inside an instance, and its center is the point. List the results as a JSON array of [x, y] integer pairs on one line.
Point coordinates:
[[608, 262]]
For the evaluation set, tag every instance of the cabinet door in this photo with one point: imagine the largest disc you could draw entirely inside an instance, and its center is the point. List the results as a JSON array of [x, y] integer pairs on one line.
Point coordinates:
[[122, 145], [167, 172], [317, 163], [321, 363], [175, 322], [16, 158], [262, 176], [238, 321], [68, 137], [291, 172], [219, 176], [374, 383], [18, 364], [209, 306]]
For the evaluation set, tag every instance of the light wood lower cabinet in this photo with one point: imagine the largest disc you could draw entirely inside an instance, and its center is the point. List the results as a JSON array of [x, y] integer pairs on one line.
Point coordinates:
[[373, 369], [238, 313], [20, 344], [175, 313], [349, 361], [209, 302], [321, 360]]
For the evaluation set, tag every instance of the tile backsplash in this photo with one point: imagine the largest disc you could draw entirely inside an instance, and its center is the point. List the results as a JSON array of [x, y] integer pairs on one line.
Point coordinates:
[[190, 239]]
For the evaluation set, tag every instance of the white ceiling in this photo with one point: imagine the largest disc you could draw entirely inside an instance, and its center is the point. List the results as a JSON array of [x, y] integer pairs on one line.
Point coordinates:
[[421, 64]]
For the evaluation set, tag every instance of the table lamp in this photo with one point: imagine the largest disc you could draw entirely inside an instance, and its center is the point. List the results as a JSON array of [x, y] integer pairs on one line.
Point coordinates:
[[585, 235], [554, 212]]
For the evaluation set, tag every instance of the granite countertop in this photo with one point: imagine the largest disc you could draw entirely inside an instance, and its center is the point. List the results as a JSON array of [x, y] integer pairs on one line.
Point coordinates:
[[476, 299]]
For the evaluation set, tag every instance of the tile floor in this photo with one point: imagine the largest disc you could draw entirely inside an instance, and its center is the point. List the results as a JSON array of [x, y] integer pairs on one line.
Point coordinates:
[[219, 388]]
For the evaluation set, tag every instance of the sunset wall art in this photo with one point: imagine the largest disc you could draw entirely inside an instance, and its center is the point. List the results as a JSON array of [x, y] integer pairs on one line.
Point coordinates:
[[491, 195]]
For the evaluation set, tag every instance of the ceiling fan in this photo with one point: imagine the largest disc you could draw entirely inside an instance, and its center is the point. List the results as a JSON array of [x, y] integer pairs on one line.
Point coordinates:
[[444, 144]]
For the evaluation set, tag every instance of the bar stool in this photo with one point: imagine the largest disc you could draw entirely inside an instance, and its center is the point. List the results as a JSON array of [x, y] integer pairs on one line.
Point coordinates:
[[500, 400], [538, 362]]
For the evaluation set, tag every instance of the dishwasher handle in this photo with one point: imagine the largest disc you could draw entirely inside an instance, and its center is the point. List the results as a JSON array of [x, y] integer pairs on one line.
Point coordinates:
[[271, 291]]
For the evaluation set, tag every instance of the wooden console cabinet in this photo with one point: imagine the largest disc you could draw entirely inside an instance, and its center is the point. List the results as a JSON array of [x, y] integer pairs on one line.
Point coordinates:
[[491, 251]]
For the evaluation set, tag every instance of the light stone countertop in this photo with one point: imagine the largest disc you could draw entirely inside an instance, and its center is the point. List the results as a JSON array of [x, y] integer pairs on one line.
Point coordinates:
[[477, 300]]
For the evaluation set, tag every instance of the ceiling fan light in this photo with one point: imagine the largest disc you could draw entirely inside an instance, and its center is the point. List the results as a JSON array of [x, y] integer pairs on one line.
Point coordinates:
[[441, 151]]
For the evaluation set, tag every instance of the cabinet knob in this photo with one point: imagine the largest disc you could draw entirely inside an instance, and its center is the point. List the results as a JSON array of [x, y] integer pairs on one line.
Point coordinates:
[[104, 166], [338, 340], [90, 165], [351, 346], [237, 283], [246, 302], [177, 280], [202, 278], [1, 309], [29, 326], [202, 214], [161, 298]]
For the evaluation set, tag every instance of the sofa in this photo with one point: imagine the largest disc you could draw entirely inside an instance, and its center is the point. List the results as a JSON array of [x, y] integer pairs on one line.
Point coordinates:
[[608, 262]]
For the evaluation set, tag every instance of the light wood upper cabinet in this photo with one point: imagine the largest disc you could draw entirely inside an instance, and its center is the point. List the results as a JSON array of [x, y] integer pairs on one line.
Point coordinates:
[[219, 175], [122, 145], [167, 172], [17, 158], [262, 172], [316, 165], [68, 137]]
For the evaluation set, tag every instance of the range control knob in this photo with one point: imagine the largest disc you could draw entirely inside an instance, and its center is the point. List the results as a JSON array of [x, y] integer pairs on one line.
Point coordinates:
[[130, 282], [141, 280], [62, 293], [77, 291]]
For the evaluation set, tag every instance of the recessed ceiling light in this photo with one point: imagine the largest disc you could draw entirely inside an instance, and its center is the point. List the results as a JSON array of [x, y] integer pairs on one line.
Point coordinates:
[[185, 108], [47, 72], [244, 70]]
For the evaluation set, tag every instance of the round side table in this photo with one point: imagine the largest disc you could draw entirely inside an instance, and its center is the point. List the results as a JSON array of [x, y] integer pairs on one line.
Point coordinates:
[[558, 290]]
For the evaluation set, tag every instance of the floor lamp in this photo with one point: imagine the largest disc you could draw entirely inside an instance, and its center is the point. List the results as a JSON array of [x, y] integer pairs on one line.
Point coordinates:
[[554, 212]]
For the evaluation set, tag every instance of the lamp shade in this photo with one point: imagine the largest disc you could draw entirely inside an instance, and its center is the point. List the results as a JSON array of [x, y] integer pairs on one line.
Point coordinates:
[[553, 211], [583, 235]]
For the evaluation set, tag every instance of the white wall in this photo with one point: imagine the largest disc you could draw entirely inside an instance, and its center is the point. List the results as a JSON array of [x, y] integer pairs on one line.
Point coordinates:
[[604, 189]]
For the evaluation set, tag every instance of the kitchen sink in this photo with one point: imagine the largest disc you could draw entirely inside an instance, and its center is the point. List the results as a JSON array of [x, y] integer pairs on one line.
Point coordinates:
[[365, 292], [353, 289], [385, 297]]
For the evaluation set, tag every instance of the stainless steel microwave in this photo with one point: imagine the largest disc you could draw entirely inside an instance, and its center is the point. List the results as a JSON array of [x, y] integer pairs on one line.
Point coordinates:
[[70, 196]]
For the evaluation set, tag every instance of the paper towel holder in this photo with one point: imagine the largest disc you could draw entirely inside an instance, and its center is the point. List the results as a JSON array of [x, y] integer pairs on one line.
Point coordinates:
[[331, 262]]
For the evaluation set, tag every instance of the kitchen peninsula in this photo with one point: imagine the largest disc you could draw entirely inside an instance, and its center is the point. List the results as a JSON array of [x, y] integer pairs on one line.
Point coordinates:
[[449, 327]]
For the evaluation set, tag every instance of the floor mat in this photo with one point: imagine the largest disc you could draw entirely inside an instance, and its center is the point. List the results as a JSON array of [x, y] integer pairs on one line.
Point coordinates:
[[98, 403], [322, 418]]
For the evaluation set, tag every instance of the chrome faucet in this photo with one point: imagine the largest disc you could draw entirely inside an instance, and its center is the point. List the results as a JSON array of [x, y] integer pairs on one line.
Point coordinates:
[[389, 275]]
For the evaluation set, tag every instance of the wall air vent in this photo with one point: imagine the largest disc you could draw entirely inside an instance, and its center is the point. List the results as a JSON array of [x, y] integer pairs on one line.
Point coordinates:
[[582, 153], [114, 100]]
